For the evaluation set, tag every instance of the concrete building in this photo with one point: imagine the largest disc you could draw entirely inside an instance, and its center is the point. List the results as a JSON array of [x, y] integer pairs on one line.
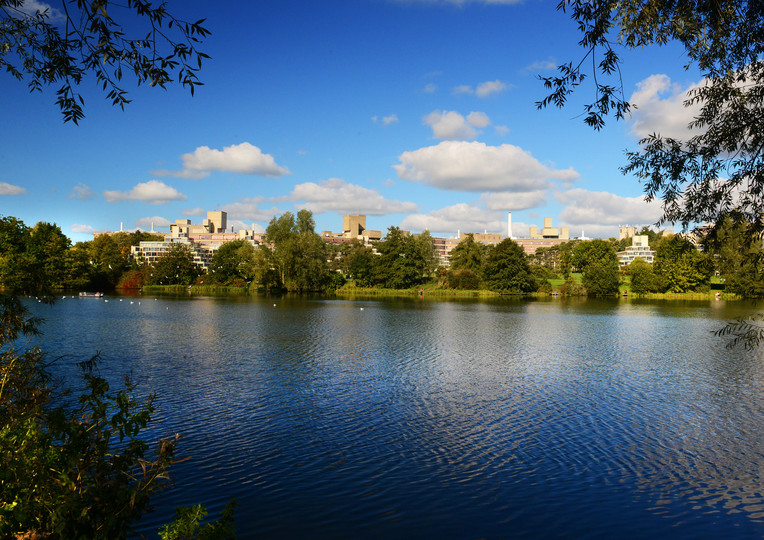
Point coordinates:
[[353, 228], [203, 240], [548, 236], [639, 248], [626, 231]]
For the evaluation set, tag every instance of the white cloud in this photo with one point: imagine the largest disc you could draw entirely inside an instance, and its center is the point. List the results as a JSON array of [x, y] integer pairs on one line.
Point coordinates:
[[392, 119], [243, 158], [77, 228], [198, 211], [151, 192], [459, 217], [146, 223], [501, 130], [336, 195], [10, 189], [514, 201], [430, 88], [660, 108], [475, 166], [483, 90], [32, 7], [452, 125], [82, 191], [599, 212], [541, 65], [249, 209], [489, 88]]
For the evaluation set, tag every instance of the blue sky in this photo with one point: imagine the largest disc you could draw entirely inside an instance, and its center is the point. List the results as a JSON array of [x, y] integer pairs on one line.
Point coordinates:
[[419, 114]]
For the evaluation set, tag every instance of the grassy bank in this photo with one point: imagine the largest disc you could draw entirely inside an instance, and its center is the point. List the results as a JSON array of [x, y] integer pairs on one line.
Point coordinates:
[[352, 290]]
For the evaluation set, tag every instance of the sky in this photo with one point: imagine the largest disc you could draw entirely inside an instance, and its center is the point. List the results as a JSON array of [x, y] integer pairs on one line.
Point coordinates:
[[420, 114]]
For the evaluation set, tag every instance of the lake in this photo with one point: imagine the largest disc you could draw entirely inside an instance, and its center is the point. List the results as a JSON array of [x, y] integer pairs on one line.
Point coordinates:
[[411, 418]]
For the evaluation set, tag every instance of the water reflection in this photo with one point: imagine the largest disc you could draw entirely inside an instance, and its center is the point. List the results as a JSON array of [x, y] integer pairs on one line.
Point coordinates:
[[379, 418]]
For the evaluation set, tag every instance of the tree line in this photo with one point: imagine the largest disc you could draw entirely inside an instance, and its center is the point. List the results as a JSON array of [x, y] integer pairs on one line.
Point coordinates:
[[295, 258]]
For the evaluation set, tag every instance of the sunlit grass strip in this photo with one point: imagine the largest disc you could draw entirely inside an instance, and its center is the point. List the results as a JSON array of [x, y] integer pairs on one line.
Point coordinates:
[[350, 290]]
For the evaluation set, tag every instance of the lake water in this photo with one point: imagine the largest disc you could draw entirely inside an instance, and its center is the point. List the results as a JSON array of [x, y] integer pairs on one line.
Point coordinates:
[[392, 418]]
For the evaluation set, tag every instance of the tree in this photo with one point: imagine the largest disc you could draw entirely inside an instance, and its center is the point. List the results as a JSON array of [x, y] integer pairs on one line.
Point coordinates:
[[297, 253], [235, 260], [70, 467], [600, 279], [174, 267], [720, 168], [14, 261], [593, 252], [468, 255], [47, 247], [506, 269], [404, 260], [683, 267], [47, 46], [643, 278]]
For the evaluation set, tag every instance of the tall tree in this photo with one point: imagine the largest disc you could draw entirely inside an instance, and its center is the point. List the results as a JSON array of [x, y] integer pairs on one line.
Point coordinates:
[[719, 167], [174, 267], [61, 43], [506, 269], [468, 255], [680, 263]]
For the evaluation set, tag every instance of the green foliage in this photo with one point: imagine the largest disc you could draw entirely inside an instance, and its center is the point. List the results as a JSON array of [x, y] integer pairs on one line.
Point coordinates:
[[468, 255], [463, 279], [61, 47], [70, 468], [507, 270], [572, 288], [643, 278], [747, 282], [296, 253], [187, 524], [600, 279], [359, 263], [719, 167], [234, 260], [174, 267], [590, 252], [748, 331], [405, 261], [683, 267]]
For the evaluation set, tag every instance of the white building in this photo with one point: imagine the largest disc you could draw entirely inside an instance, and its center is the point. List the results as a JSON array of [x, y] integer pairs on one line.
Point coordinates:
[[639, 248], [203, 240]]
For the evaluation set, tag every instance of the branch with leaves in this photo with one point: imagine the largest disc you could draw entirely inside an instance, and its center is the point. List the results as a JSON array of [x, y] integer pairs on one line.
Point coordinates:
[[61, 46]]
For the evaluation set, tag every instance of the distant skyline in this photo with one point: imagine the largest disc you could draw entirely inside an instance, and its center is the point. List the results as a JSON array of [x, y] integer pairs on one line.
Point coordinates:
[[418, 114]]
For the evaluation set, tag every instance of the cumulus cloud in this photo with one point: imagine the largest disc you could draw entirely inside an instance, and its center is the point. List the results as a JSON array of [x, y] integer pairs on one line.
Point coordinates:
[[541, 65], [198, 211], [514, 201], [482, 90], [387, 120], [336, 195], [249, 209], [660, 108], [501, 130], [243, 158], [430, 88], [459, 217], [599, 213], [33, 7], [82, 191], [452, 125], [10, 189], [475, 166], [78, 228], [151, 192], [146, 223]]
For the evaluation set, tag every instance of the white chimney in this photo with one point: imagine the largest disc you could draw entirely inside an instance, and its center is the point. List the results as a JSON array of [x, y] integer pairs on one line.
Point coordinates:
[[120, 226]]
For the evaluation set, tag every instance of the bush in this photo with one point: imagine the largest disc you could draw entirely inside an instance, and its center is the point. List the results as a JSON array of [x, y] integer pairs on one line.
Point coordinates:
[[463, 279], [70, 468]]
